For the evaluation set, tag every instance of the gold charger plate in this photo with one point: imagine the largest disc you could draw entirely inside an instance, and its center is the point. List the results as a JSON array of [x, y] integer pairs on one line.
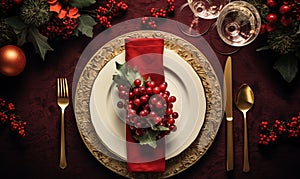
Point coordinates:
[[202, 67]]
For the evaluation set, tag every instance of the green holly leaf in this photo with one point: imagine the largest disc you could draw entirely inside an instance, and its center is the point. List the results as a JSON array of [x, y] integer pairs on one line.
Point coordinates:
[[22, 37], [39, 41], [287, 65], [159, 128], [81, 3], [85, 25], [126, 75], [149, 138], [19, 28], [16, 23]]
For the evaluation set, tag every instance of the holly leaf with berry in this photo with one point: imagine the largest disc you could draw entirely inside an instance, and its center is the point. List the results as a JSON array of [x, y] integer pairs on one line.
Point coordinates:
[[281, 26], [37, 21], [126, 76], [148, 106]]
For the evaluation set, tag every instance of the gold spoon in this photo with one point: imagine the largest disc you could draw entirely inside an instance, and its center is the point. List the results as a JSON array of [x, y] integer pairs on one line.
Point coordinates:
[[244, 102]]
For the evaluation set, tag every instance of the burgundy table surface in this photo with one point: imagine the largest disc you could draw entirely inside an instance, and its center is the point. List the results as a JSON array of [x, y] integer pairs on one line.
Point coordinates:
[[34, 94]]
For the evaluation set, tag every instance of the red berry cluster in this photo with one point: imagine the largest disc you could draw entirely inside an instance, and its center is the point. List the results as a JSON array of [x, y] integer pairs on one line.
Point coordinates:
[[110, 10], [60, 28], [149, 22], [7, 115], [281, 13], [148, 105], [163, 12], [269, 133], [7, 6]]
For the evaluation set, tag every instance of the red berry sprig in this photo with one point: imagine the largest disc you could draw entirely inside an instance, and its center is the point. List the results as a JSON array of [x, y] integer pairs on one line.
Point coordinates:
[[58, 28], [282, 13], [7, 115], [149, 22], [111, 10], [148, 106], [269, 133]]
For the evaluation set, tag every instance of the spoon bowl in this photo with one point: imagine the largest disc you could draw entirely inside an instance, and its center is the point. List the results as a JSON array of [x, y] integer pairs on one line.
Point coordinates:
[[244, 101]]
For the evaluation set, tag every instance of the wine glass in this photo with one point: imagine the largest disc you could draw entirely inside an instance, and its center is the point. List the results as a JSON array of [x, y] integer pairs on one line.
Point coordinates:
[[237, 25], [203, 13]]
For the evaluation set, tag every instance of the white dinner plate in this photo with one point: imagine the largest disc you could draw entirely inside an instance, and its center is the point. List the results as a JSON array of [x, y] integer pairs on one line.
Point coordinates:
[[193, 52], [183, 82]]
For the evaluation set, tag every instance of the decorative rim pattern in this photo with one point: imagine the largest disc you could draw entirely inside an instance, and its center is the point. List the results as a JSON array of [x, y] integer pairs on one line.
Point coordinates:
[[202, 67]]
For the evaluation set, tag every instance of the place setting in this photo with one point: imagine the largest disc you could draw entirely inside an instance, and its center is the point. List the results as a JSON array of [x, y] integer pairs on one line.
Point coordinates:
[[186, 80]]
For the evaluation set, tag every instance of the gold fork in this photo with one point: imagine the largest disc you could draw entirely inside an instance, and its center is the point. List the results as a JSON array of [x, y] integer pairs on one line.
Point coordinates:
[[63, 102]]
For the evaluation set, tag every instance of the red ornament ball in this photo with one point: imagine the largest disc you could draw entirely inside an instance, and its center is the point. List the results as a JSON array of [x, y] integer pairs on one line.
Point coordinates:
[[284, 9], [271, 17], [12, 60]]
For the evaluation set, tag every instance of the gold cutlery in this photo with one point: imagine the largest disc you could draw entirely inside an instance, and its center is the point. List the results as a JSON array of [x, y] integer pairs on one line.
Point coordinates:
[[244, 102], [63, 102], [229, 116]]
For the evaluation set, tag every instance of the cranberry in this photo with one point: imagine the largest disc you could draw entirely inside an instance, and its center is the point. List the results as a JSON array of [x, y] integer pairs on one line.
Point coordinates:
[[270, 27], [137, 82], [142, 90], [153, 100], [158, 105], [131, 95], [169, 111], [172, 128], [144, 113], [136, 91], [137, 102], [172, 99], [151, 84], [120, 104], [171, 121], [123, 94], [272, 18], [157, 120], [156, 90], [149, 90], [262, 29], [167, 93], [163, 87], [271, 3], [284, 9], [152, 114], [143, 99], [175, 115], [286, 21]]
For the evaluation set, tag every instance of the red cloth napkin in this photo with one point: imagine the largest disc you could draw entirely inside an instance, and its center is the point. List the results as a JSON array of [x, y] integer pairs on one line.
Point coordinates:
[[146, 54]]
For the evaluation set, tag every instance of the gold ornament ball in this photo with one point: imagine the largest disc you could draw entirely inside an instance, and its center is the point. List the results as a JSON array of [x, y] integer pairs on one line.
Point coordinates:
[[12, 60]]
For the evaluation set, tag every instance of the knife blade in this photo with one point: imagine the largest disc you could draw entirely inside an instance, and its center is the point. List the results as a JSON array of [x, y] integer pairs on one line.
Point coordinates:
[[229, 116]]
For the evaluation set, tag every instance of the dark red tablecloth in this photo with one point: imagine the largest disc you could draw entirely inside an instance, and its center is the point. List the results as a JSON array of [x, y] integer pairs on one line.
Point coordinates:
[[34, 94]]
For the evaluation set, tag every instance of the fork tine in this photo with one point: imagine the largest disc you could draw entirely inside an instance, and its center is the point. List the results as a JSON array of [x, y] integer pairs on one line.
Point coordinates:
[[66, 88], [58, 87]]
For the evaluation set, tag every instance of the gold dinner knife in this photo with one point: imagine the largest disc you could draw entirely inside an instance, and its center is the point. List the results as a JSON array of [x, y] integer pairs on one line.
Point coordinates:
[[229, 116]]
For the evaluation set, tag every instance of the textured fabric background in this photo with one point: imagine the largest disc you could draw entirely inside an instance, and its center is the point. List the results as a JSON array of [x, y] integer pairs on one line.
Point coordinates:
[[34, 94]]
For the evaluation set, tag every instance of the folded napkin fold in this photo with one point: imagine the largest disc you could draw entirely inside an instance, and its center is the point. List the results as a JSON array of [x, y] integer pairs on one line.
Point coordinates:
[[146, 55]]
